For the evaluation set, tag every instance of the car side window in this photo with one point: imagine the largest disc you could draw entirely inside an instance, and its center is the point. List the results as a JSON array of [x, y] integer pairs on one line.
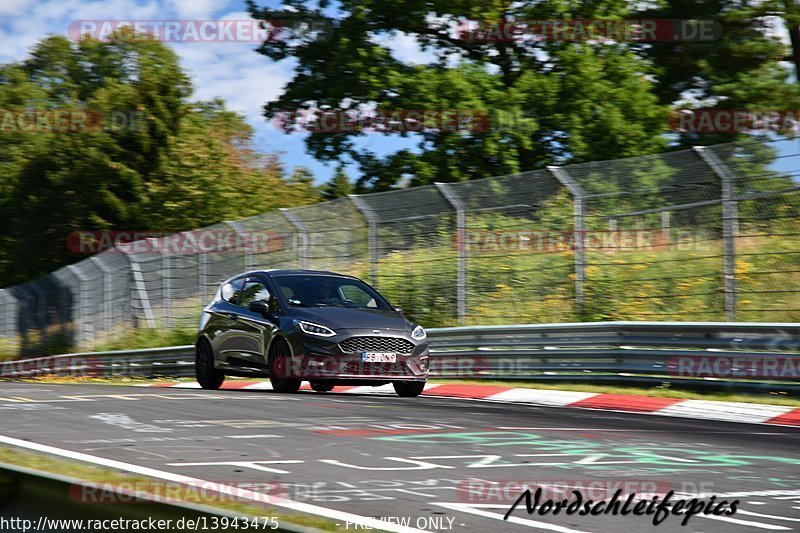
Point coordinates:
[[254, 290], [231, 291], [357, 296]]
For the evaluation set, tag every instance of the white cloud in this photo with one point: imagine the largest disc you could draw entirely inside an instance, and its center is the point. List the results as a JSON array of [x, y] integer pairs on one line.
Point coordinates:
[[193, 9], [404, 47], [13, 7]]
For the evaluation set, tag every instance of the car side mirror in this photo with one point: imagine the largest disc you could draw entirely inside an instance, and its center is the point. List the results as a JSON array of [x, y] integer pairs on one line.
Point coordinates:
[[259, 306], [399, 310]]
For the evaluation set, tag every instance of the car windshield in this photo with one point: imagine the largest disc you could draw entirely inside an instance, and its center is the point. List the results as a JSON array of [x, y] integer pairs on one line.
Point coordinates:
[[328, 291]]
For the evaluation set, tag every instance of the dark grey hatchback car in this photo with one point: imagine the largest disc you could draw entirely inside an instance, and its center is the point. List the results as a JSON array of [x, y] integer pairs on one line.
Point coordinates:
[[305, 325]]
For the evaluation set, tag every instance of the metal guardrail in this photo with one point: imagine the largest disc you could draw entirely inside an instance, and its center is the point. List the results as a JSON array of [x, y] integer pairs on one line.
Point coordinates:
[[695, 354], [707, 354]]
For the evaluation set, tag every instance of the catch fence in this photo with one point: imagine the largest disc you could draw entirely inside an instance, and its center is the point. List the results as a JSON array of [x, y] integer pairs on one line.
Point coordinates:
[[709, 234]]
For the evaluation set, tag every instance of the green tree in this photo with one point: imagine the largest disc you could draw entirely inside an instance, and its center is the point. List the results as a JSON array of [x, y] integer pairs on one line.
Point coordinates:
[[550, 102], [742, 68], [339, 185], [172, 165]]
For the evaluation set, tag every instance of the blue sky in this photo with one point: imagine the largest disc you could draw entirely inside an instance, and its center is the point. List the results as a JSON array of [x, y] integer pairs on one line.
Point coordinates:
[[233, 71]]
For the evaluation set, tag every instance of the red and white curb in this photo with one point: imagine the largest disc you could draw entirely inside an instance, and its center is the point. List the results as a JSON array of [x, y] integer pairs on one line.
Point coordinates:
[[755, 413]]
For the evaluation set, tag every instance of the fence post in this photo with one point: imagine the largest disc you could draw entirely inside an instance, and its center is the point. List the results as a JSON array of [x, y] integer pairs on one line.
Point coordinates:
[[246, 242], [166, 289], [83, 329], [108, 294], [138, 283], [461, 228], [372, 223], [730, 218], [665, 225], [578, 215], [302, 233], [202, 275], [6, 331]]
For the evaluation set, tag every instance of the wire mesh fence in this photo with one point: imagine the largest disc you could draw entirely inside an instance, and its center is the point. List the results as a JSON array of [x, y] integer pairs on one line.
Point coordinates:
[[706, 234]]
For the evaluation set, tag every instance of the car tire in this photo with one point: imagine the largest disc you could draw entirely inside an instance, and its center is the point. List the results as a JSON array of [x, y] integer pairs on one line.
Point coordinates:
[[322, 386], [207, 376], [279, 363], [408, 389]]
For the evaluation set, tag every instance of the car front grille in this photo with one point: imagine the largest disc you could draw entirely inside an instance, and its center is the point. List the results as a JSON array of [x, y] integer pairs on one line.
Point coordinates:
[[376, 344]]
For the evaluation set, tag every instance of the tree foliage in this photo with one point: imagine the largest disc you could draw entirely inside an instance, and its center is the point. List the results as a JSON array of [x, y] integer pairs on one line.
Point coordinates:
[[552, 102], [148, 158], [339, 185]]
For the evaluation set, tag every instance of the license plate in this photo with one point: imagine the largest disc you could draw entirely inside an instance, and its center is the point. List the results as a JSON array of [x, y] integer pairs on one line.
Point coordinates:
[[378, 357]]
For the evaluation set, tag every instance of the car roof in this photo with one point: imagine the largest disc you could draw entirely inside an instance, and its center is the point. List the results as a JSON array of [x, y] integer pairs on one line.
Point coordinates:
[[293, 271]]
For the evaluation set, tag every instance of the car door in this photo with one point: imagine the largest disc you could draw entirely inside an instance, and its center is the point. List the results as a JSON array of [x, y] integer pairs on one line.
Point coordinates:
[[256, 329], [223, 326]]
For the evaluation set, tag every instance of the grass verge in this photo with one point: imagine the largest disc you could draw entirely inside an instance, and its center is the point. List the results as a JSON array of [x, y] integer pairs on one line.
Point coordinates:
[[77, 470]]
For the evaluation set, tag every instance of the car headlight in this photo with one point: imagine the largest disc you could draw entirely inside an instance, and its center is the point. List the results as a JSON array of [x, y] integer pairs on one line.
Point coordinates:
[[314, 329], [418, 333]]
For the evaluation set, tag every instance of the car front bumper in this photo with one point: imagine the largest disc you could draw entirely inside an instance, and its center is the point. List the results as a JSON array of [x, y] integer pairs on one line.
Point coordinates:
[[323, 359]]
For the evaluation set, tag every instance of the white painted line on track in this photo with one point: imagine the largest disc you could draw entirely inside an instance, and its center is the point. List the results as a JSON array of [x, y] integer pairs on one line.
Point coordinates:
[[750, 523], [254, 436], [477, 509], [259, 497], [255, 465], [777, 494], [761, 515]]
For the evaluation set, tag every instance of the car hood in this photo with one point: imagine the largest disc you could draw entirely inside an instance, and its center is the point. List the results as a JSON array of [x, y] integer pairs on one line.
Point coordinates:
[[349, 318]]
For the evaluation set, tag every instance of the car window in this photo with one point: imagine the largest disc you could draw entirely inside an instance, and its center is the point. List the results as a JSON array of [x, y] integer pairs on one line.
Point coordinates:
[[357, 296], [328, 291], [254, 290], [231, 291]]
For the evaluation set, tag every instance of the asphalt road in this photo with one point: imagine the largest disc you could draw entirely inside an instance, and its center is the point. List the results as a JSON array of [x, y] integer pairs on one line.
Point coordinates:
[[436, 464]]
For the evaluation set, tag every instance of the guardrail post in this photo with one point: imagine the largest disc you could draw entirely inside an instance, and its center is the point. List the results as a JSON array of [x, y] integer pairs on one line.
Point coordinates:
[[244, 241], [302, 229], [138, 283], [461, 228], [578, 215], [372, 223], [730, 218], [108, 294]]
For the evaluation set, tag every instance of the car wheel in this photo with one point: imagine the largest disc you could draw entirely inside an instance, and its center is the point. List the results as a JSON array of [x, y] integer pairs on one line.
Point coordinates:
[[279, 366], [207, 376], [322, 386], [408, 389]]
